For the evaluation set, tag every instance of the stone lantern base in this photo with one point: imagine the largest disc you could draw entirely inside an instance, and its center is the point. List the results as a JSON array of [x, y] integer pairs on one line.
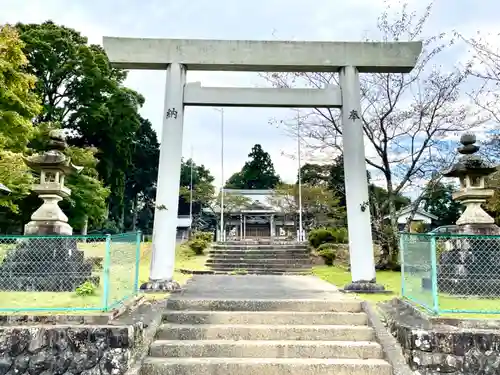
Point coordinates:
[[469, 267], [46, 264], [51, 263]]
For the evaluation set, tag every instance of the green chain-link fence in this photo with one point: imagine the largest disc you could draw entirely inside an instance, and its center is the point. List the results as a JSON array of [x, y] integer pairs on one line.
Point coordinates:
[[68, 273], [451, 273]]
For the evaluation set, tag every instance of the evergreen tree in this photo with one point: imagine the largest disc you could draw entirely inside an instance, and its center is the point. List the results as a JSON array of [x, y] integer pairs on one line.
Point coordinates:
[[438, 201], [257, 173]]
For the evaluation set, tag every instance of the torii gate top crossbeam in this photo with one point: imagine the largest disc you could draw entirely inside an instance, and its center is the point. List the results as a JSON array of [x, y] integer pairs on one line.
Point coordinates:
[[262, 56]]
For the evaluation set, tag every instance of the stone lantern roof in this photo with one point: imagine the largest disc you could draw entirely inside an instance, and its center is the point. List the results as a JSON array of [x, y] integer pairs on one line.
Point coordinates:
[[54, 158], [472, 170], [469, 164]]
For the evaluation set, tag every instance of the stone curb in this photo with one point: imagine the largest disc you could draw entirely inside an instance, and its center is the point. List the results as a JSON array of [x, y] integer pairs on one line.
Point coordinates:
[[391, 348], [154, 321]]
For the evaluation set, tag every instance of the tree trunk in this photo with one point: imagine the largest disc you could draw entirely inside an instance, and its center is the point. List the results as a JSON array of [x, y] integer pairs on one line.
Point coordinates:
[[390, 258]]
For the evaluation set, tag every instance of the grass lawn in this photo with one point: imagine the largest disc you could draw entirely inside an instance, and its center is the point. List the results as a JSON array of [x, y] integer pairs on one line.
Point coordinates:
[[392, 281], [121, 280]]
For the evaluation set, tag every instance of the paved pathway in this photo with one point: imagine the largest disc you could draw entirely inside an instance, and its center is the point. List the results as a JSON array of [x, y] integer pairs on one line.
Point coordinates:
[[259, 287]]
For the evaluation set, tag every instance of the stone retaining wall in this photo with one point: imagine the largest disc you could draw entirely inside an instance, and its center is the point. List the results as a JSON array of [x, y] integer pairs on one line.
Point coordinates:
[[76, 349], [434, 346]]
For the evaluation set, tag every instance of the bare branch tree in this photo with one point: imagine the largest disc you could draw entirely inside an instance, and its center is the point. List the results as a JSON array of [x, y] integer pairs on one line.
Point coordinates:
[[407, 118], [484, 66]]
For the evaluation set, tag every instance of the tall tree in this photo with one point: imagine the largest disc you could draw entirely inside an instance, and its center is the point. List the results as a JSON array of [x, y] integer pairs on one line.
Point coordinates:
[[18, 100], [202, 183], [438, 201], [142, 175], [315, 174], [86, 206], [484, 66], [257, 173], [73, 77], [82, 92], [18, 105], [406, 117]]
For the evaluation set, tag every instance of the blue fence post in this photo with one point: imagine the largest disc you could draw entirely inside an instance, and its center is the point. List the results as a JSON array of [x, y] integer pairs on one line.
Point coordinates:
[[435, 297], [138, 239], [402, 248], [107, 260]]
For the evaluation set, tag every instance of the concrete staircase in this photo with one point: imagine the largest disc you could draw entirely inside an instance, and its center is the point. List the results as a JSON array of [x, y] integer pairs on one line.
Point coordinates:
[[265, 337], [258, 257]]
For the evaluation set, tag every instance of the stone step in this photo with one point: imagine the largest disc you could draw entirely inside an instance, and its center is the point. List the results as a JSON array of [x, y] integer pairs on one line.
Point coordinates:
[[299, 305], [259, 261], [289, 245], [265, 317], [276, 267], [266, 349], [256, 255], [256, 251], [253, 265], [264, 366], [264, 332], [262, 271]]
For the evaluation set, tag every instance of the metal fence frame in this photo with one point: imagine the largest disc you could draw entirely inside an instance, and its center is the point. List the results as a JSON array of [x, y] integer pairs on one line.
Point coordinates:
[[433, 303], [107, 302]]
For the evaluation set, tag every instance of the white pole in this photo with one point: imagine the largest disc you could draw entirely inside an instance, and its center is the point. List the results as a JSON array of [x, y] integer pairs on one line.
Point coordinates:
[[191, 192], [222, 231], [301, 234], [167, 192], [356, 184]]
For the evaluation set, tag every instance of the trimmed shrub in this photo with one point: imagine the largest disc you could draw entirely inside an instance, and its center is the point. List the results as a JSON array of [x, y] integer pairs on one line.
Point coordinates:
[[327, 235], [198, 245], [319, 236], [205, 236], [327, 245], [328, 254], [340, 235]]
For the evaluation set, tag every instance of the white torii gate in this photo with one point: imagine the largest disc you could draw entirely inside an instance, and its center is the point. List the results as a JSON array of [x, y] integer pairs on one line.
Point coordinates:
[[176, 56]]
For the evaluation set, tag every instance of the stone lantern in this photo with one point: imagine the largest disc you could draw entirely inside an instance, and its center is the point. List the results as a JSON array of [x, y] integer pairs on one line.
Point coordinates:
[[52, 166], [469, 266], [48, 260], [472, 171]]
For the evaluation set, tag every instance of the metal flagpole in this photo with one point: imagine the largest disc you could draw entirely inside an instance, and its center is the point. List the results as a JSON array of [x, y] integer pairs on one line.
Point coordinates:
[[222, 231], [301, 234], [191, 193]]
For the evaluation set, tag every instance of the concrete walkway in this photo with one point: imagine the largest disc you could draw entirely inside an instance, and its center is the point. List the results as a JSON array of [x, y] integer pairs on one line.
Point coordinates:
[[259, 287]]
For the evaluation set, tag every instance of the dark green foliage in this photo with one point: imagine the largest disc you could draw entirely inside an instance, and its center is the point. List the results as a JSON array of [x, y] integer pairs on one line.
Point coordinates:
[[202, 186], [198, 245], [328, 252], [81, 92], [320, 236], [327, 245], [205, 236], [257, 173], [438, 201]]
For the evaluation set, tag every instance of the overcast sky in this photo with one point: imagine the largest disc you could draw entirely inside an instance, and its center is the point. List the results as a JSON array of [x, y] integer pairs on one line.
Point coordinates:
[[235, 19]]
